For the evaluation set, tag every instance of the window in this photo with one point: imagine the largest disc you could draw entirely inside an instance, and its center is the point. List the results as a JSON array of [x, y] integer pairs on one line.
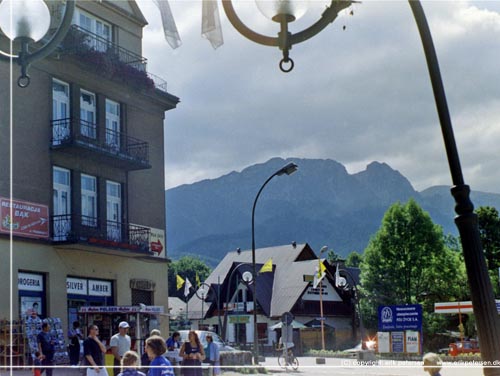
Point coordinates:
[[87, 114], [60, 111], [89, 200], [113, 124], [61, 188], [113, 210], [94, 25]]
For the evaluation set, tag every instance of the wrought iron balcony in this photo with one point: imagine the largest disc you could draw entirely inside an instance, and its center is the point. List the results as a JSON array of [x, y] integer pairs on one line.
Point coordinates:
[[106, 145], [69, 228], [110, 59]]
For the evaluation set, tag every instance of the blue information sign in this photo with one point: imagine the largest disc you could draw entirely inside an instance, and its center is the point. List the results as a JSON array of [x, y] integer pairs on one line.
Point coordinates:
[[397, 342], [399, 317]]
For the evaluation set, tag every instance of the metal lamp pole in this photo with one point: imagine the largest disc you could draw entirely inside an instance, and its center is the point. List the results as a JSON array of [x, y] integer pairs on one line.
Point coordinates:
[[289, 169]]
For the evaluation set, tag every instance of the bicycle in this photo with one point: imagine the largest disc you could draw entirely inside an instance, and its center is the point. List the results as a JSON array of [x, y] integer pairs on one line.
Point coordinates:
[[292, 361]]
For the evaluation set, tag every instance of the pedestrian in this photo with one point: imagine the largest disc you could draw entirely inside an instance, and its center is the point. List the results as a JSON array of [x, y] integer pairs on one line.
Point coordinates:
[[46, 347], [213, 355], [120, 344], [432, 364], [75, 335], [145, 358], [130, 363], [93, 353], [159, 366], [37, 364], [174, 346], [173, 342], [192, 354]]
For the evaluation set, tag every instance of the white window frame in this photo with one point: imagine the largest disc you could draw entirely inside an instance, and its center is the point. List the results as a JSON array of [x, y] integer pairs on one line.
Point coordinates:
[[113, 124], [60, 111], [88, 125], [96, 26], [63, 225], [89, 201], [113, 224]]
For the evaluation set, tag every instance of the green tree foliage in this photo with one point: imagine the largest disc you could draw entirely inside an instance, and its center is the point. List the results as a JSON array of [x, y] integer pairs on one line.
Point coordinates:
[[354, 259], [333, 257], [186, 267], [407, 262], [489, 230]]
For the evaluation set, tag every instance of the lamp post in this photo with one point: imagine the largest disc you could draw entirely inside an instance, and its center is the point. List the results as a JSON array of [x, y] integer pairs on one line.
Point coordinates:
[[342, 283], [322, 250], [27, 22], [248, 278], [488, 322], [289, 169], [202, 293]]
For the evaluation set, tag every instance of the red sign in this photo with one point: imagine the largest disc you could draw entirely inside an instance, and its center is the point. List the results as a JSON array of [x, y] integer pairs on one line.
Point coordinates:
[[24, 218], [156, 247]]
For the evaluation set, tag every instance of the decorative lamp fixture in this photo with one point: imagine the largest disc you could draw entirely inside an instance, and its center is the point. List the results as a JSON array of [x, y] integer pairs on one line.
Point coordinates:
[[27, 22], [284, 12]]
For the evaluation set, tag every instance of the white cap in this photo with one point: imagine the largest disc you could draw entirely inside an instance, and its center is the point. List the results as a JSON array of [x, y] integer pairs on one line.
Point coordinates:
[[123, 324]]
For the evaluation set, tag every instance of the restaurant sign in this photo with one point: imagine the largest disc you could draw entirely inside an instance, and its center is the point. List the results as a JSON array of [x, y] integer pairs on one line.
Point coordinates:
[[24, 218]]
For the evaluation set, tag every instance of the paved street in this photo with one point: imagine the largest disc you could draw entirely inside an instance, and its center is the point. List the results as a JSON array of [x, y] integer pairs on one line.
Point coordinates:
[[333, 366]]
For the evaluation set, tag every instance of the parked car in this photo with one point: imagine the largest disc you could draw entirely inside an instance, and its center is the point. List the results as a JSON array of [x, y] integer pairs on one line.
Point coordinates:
[[463, 347], [202, 334]]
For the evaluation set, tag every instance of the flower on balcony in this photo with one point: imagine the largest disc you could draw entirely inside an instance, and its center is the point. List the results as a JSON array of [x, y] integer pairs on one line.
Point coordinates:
[[102, 59]]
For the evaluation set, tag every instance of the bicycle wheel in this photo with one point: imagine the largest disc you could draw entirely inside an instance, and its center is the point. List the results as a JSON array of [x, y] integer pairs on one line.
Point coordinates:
[[281, 361], [294, 362]]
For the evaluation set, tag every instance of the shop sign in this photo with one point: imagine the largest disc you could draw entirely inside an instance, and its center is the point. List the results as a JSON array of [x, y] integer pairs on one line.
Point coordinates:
[[154, 310], [76, 286], [328, 293], [412, 342], [28, 219], [239, 319], [30, 282], [99, 288], [400, 317]]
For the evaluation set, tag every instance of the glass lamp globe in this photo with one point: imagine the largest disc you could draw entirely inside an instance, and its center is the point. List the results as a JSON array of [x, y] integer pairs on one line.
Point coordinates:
[[24, 19], [275, 9]]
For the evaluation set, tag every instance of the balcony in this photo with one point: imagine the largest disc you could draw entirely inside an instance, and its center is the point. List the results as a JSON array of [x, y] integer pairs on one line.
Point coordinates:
[[70, 229], [114, 148], [110, 60]]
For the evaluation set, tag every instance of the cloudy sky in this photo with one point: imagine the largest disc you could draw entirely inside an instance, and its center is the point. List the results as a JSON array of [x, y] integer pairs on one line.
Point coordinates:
[[355, 95]]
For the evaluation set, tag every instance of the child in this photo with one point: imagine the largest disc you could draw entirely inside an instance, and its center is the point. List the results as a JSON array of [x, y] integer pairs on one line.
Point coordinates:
[[37, 364], [432, 364], [130, 363]]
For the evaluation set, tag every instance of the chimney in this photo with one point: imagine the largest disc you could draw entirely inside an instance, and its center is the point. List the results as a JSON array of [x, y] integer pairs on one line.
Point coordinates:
[[294, 244]]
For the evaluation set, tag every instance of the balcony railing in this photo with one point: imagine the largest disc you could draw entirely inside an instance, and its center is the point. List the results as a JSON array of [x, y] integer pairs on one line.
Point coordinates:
[[117, 146], [110, 59], [69, 228]]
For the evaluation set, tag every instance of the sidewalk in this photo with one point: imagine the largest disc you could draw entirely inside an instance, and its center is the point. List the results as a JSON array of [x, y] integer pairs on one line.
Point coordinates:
[[308, 367]]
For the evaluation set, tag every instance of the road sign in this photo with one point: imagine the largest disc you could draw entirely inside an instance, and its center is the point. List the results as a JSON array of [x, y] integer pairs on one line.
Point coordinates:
[[287, 318]]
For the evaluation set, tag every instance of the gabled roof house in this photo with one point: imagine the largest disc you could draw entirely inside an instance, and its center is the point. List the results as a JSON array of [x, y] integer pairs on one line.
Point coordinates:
[[228, 307]]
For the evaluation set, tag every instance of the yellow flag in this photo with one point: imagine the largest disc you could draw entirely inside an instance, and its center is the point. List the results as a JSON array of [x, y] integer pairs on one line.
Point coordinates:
[[267, 267], [180, 282], [321, 270], [198, 282]]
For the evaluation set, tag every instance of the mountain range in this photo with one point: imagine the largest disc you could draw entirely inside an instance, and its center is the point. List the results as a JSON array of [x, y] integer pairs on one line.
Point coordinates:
[[320, 204]]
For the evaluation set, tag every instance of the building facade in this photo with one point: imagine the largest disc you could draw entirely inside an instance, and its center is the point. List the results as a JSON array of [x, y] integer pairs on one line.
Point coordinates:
[[286, 287], [82, 173]]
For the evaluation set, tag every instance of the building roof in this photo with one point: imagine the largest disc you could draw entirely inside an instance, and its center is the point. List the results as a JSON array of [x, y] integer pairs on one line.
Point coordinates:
[[176, 307], [277, 291]]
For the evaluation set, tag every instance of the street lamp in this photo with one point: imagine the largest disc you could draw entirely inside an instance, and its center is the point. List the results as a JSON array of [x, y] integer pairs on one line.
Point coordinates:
[[488, 323], [341, 282], [289, 169], [202, 294], [26, 22], [247, 279]]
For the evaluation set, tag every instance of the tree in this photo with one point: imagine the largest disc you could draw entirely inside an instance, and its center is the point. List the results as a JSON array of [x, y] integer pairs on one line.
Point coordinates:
[[354, 259], [333, 257], [186, 267], [407, 262], [489, 230]]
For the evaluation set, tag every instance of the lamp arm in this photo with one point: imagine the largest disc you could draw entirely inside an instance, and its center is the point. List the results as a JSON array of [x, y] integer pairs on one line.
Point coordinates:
[[328, 16], [58, 36]]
